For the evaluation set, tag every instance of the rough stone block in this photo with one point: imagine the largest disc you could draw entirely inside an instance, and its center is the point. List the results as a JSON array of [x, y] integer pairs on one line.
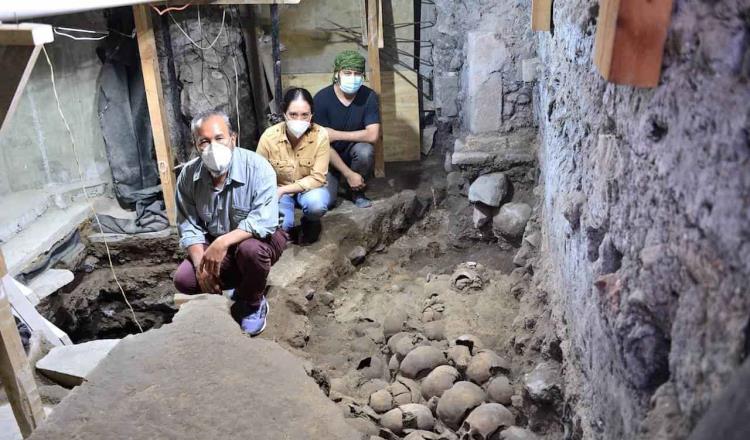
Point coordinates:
[[482, 214], [486, 57], [489, 189], [70, 365], [446, 92], [511, 220], [428, 139]]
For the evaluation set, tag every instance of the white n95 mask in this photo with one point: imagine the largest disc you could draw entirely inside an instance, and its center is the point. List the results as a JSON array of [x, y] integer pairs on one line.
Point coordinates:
[[216, 157], [297, 127]]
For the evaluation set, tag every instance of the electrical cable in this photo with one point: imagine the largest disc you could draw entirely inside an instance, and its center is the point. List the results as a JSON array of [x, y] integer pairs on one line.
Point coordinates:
[[83, 186], [223, 15], [79, 38], [170, 9]]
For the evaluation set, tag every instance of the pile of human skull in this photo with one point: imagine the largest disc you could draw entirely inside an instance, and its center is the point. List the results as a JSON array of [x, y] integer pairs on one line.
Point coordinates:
[[438, 389]]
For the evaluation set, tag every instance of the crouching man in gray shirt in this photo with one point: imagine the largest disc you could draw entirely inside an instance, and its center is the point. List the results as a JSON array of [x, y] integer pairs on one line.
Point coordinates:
[[228, 220]]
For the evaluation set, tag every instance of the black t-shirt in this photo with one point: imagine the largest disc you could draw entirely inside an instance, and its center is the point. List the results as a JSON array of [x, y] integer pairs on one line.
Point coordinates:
[[330, 112]]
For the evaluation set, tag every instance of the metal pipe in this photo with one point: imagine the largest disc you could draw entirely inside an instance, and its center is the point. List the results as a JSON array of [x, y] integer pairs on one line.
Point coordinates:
[[276, 48], [15, 10]]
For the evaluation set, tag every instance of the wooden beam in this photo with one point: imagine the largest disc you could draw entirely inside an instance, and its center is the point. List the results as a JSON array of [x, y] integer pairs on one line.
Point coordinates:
[[155, 98], [630, 37], [17, 62], [373, 56], [541, 15], [25, 34], [15, 371]]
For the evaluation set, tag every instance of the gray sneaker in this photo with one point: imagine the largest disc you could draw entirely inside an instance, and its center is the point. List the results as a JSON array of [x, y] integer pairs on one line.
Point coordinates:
[[254, 323]]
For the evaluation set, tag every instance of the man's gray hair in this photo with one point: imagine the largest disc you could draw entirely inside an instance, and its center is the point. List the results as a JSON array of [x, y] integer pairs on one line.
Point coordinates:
[[198, 119]]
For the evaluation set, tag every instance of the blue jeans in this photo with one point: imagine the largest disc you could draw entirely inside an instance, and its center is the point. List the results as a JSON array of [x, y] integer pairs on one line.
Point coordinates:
[[314, 204], [360, 157]]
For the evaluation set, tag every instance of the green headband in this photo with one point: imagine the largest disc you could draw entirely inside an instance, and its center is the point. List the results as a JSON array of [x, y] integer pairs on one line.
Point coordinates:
[[349, 60]]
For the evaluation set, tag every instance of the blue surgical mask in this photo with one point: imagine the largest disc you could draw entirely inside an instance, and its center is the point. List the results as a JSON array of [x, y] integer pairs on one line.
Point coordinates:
[[350, 84]]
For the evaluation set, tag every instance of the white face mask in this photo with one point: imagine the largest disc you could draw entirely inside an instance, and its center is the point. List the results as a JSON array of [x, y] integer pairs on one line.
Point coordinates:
[[350, 84], [216, 157], [297, 127]]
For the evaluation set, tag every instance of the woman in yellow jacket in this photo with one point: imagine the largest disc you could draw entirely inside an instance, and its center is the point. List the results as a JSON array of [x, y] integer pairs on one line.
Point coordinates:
[[299, 152]]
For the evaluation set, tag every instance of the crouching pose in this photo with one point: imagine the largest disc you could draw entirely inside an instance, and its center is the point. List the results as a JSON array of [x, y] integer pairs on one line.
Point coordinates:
[[299, 152], [349, 112], [228, 220]]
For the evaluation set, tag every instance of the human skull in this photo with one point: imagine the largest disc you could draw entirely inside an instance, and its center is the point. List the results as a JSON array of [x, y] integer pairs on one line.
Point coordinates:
[[484, 421]]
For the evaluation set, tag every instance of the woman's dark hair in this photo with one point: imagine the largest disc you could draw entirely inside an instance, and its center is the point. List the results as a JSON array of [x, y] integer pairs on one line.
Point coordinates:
[[295, 93]]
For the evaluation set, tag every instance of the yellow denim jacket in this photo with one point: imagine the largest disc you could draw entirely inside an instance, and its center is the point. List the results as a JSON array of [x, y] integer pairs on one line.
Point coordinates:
[[307, 165]]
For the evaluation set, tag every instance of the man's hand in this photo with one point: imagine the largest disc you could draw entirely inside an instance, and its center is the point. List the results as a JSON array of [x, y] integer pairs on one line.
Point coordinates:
[[212, 258], [332, 135], [280, 192], [355, 181], [207, 282]]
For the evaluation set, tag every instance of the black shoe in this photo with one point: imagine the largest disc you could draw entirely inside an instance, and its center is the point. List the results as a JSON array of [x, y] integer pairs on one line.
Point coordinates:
[[309, 232]]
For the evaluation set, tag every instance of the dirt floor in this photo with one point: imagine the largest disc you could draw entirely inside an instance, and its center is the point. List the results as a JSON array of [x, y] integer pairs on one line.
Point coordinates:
[[438, 282]]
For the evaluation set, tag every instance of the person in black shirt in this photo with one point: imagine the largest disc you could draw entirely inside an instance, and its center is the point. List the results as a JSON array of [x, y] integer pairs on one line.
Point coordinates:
[[349, 112]]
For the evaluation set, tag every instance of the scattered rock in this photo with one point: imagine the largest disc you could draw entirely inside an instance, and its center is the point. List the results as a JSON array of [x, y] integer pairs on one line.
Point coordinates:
[[499, 390], [428, 138], [516, 401], [357, 255], [543, 383], [456, 183], [511, 220], [481, 215], [484, 365], [485, 421], [327, 298], [421, 360], [421, 435], [439, 380], [69, 365], [489, 189], [456, 402]]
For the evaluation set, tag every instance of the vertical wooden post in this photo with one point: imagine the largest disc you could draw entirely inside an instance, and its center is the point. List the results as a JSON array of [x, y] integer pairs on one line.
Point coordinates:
[[541, 15], [152, 83], [15, 371], [373, 56], [630, 38]]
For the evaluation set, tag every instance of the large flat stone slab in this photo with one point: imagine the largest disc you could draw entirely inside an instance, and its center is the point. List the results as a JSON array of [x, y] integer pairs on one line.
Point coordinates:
[[71, 365], [199, 377]]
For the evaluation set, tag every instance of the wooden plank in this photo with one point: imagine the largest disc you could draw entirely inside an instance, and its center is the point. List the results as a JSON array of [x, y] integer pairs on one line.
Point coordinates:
[[17, 62], [541, 15], [630, 39], [381, 41], [25, 34], [15, 371], [26, 312], [155, 98], [373, 56], [399, 107]]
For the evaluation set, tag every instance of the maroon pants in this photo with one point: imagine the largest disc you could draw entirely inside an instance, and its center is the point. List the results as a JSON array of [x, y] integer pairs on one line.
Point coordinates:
[[245, 268]]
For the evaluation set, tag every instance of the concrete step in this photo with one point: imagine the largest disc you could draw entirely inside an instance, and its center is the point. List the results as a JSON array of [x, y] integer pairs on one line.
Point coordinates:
[[70, 365], [49, 282], [496, 151]]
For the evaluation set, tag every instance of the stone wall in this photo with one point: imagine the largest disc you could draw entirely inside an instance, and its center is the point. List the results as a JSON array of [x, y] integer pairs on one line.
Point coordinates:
[[646, 199], [195, 80], [479, 46], [36, 152]]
